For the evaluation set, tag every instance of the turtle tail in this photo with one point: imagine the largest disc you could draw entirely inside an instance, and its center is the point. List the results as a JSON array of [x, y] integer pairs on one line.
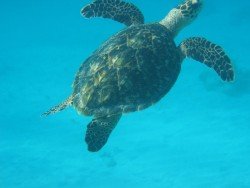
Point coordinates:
[[58, 108]]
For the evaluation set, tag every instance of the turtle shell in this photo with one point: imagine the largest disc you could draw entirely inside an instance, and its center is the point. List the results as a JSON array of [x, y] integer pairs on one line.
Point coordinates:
[[131, 71]]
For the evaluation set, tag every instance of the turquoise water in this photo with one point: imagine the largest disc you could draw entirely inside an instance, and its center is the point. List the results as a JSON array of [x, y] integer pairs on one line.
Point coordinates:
[[197, 136]]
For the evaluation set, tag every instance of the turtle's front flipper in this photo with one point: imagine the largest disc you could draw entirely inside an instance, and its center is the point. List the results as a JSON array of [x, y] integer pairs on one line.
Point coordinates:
[[117, 10], [59, 107], [98, 131], [210, 54]]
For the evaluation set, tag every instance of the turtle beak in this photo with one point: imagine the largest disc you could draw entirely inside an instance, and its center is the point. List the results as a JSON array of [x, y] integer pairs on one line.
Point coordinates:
[[196, 4], [195, 7]]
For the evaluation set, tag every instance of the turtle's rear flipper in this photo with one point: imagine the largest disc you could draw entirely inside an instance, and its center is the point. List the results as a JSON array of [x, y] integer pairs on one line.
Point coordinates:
[[59, 107], [210, 54], [98, 131], [117, 10]]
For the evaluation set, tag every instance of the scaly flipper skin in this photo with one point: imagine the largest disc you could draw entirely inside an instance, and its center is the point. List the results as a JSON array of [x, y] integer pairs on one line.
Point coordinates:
[[210, 54], [98, 131], [59, 107], [117, 10]]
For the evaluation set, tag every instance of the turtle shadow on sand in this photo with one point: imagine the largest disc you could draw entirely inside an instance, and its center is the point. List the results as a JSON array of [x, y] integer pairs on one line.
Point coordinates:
[[239, 88], [109, 159]]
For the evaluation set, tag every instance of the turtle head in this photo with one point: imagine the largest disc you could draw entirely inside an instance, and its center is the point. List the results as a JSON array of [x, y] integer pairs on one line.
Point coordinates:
[[182, 15]]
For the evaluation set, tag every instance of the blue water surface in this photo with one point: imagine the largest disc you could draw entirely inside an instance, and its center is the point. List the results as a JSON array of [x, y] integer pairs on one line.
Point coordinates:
[[197, 136]]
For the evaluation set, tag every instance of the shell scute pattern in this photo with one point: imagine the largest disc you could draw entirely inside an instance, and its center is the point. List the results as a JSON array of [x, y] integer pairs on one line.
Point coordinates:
[[131, 71]]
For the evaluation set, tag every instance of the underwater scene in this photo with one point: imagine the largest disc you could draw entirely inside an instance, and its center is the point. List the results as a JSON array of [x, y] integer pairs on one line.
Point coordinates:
[[163, 103]]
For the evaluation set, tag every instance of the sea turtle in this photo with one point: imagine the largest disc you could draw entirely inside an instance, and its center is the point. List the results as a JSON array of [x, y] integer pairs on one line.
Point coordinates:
[[136, 67]]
